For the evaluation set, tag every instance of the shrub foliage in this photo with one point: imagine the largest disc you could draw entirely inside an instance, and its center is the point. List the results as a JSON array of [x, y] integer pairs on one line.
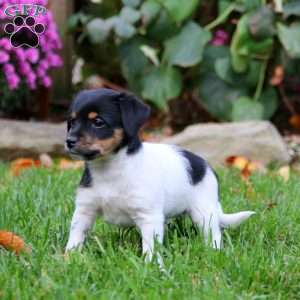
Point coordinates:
[[233, 55]]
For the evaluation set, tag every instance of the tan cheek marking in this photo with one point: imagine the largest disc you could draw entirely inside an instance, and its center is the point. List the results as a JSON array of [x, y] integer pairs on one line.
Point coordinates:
[[92, 115], [73, 115], [108, 145]]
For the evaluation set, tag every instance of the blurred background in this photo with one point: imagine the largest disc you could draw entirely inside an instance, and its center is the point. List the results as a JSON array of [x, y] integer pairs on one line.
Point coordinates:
[[192, 61]]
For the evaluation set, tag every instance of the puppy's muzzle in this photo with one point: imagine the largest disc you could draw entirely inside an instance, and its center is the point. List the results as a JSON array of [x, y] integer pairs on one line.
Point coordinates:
[[71, 142]]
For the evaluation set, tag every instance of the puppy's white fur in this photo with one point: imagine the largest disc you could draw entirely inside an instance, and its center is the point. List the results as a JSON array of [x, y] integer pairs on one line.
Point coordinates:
[[146, 188]]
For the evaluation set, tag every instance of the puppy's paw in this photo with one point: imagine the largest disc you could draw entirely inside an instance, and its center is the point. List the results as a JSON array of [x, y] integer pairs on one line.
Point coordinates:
[[71, 246]]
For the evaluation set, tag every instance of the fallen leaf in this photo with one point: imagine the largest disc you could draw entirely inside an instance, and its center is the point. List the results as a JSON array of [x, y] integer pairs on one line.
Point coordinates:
[[238, 162], [295, 121], [65, 164], [284, 173], [245, 173], [271, 205], [277, 76], [21, 164], [46, 160], [12, 242]]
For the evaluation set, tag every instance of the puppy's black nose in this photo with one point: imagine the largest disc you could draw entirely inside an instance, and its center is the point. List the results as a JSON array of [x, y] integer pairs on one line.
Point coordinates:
[[71, 142]]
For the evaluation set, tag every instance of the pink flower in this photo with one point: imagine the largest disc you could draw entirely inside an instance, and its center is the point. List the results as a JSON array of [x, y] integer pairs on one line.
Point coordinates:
[[8, 69], [20, 53], [4, 57], [32, 55], [30, 64], [54, 60], [220, 38], [46, 81], [40, 72], [5, 44], [13, 81], [24, 68], [31, 80], [44, 64]]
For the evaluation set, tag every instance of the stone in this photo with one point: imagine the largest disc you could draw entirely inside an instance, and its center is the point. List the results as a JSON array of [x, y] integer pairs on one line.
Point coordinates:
[[30, 139], [256, 140]]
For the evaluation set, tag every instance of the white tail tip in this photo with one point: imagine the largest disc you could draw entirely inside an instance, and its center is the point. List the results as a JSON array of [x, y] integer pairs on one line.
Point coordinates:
[[234, 220]]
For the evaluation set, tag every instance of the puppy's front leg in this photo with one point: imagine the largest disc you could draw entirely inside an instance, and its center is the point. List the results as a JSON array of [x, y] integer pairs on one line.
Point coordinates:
[[151, 231], [82, 221]]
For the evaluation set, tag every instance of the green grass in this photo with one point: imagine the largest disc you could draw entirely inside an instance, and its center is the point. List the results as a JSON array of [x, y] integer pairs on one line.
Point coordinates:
[[260, 259]]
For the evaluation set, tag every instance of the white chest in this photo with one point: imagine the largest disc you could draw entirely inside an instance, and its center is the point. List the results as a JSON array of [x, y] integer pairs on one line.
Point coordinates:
[[112, 201]]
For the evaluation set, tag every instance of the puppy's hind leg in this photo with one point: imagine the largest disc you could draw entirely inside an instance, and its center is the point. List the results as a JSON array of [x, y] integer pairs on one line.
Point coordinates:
[[204, 209], [208, 222]]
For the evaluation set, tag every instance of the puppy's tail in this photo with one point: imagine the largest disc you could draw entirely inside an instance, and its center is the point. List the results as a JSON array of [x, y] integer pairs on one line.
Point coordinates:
[[234, 220]]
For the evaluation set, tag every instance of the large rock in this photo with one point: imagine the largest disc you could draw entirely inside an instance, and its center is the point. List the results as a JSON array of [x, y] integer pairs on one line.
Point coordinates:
[[256, 140], [23, 139], [215, 142]]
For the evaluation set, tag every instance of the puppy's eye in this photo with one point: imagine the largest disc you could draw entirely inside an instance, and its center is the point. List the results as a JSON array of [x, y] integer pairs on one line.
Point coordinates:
[[98, 122]]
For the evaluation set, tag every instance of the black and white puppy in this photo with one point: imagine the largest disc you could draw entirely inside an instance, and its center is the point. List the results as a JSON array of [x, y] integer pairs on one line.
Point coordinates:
[[128, 182]]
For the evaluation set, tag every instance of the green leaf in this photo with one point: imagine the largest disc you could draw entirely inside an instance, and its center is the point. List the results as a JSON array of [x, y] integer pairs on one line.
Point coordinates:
[[124, 29], [210, 55], [162, 84], [186, 48], [290, 38], [261, 23], [291, 9], [240, 36], [244, 47], [246, 109], [163, 27], [269, 101], [98, 30], [133, 60], [217, 96], [73, 21], [149, 10], [224, 70], [130, 14], [131, 3], [178, 9]]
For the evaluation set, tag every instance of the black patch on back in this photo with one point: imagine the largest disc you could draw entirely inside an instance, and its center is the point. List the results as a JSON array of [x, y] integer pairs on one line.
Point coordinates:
[[86, 179], [197, 166]]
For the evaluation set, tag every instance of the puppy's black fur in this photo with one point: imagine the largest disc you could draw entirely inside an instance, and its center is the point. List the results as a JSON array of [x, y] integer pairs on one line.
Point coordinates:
[[86, 179], [197, 166]]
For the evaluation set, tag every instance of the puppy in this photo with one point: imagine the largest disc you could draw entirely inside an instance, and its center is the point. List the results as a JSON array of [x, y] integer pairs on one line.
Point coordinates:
[[128, 182]]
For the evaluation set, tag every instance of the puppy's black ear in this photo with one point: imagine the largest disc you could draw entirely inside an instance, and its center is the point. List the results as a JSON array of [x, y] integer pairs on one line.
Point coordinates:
[[134, 114]]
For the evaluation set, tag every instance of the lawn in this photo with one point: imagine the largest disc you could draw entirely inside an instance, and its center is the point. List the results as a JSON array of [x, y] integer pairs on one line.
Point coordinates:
[[260, 259]]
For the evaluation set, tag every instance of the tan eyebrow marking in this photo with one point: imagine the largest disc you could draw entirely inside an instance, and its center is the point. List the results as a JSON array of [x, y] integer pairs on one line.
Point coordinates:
[[73, 114], [92, 115]]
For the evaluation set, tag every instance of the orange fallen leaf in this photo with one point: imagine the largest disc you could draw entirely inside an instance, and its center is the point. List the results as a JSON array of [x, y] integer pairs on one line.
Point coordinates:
[[238, 162], [295, 121], [23, 163], [277, 76], [65, 164], [245, 173], [12, 242], [246, 166]]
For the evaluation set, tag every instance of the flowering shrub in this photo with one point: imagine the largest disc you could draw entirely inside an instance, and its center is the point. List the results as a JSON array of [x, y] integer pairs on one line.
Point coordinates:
[[29, 65]]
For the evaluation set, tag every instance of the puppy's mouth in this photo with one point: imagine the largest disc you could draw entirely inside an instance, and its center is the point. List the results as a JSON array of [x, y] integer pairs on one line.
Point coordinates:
[[85, 154]]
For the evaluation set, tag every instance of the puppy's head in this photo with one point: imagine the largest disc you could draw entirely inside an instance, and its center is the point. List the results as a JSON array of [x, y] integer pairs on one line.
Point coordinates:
[[102, 121]]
